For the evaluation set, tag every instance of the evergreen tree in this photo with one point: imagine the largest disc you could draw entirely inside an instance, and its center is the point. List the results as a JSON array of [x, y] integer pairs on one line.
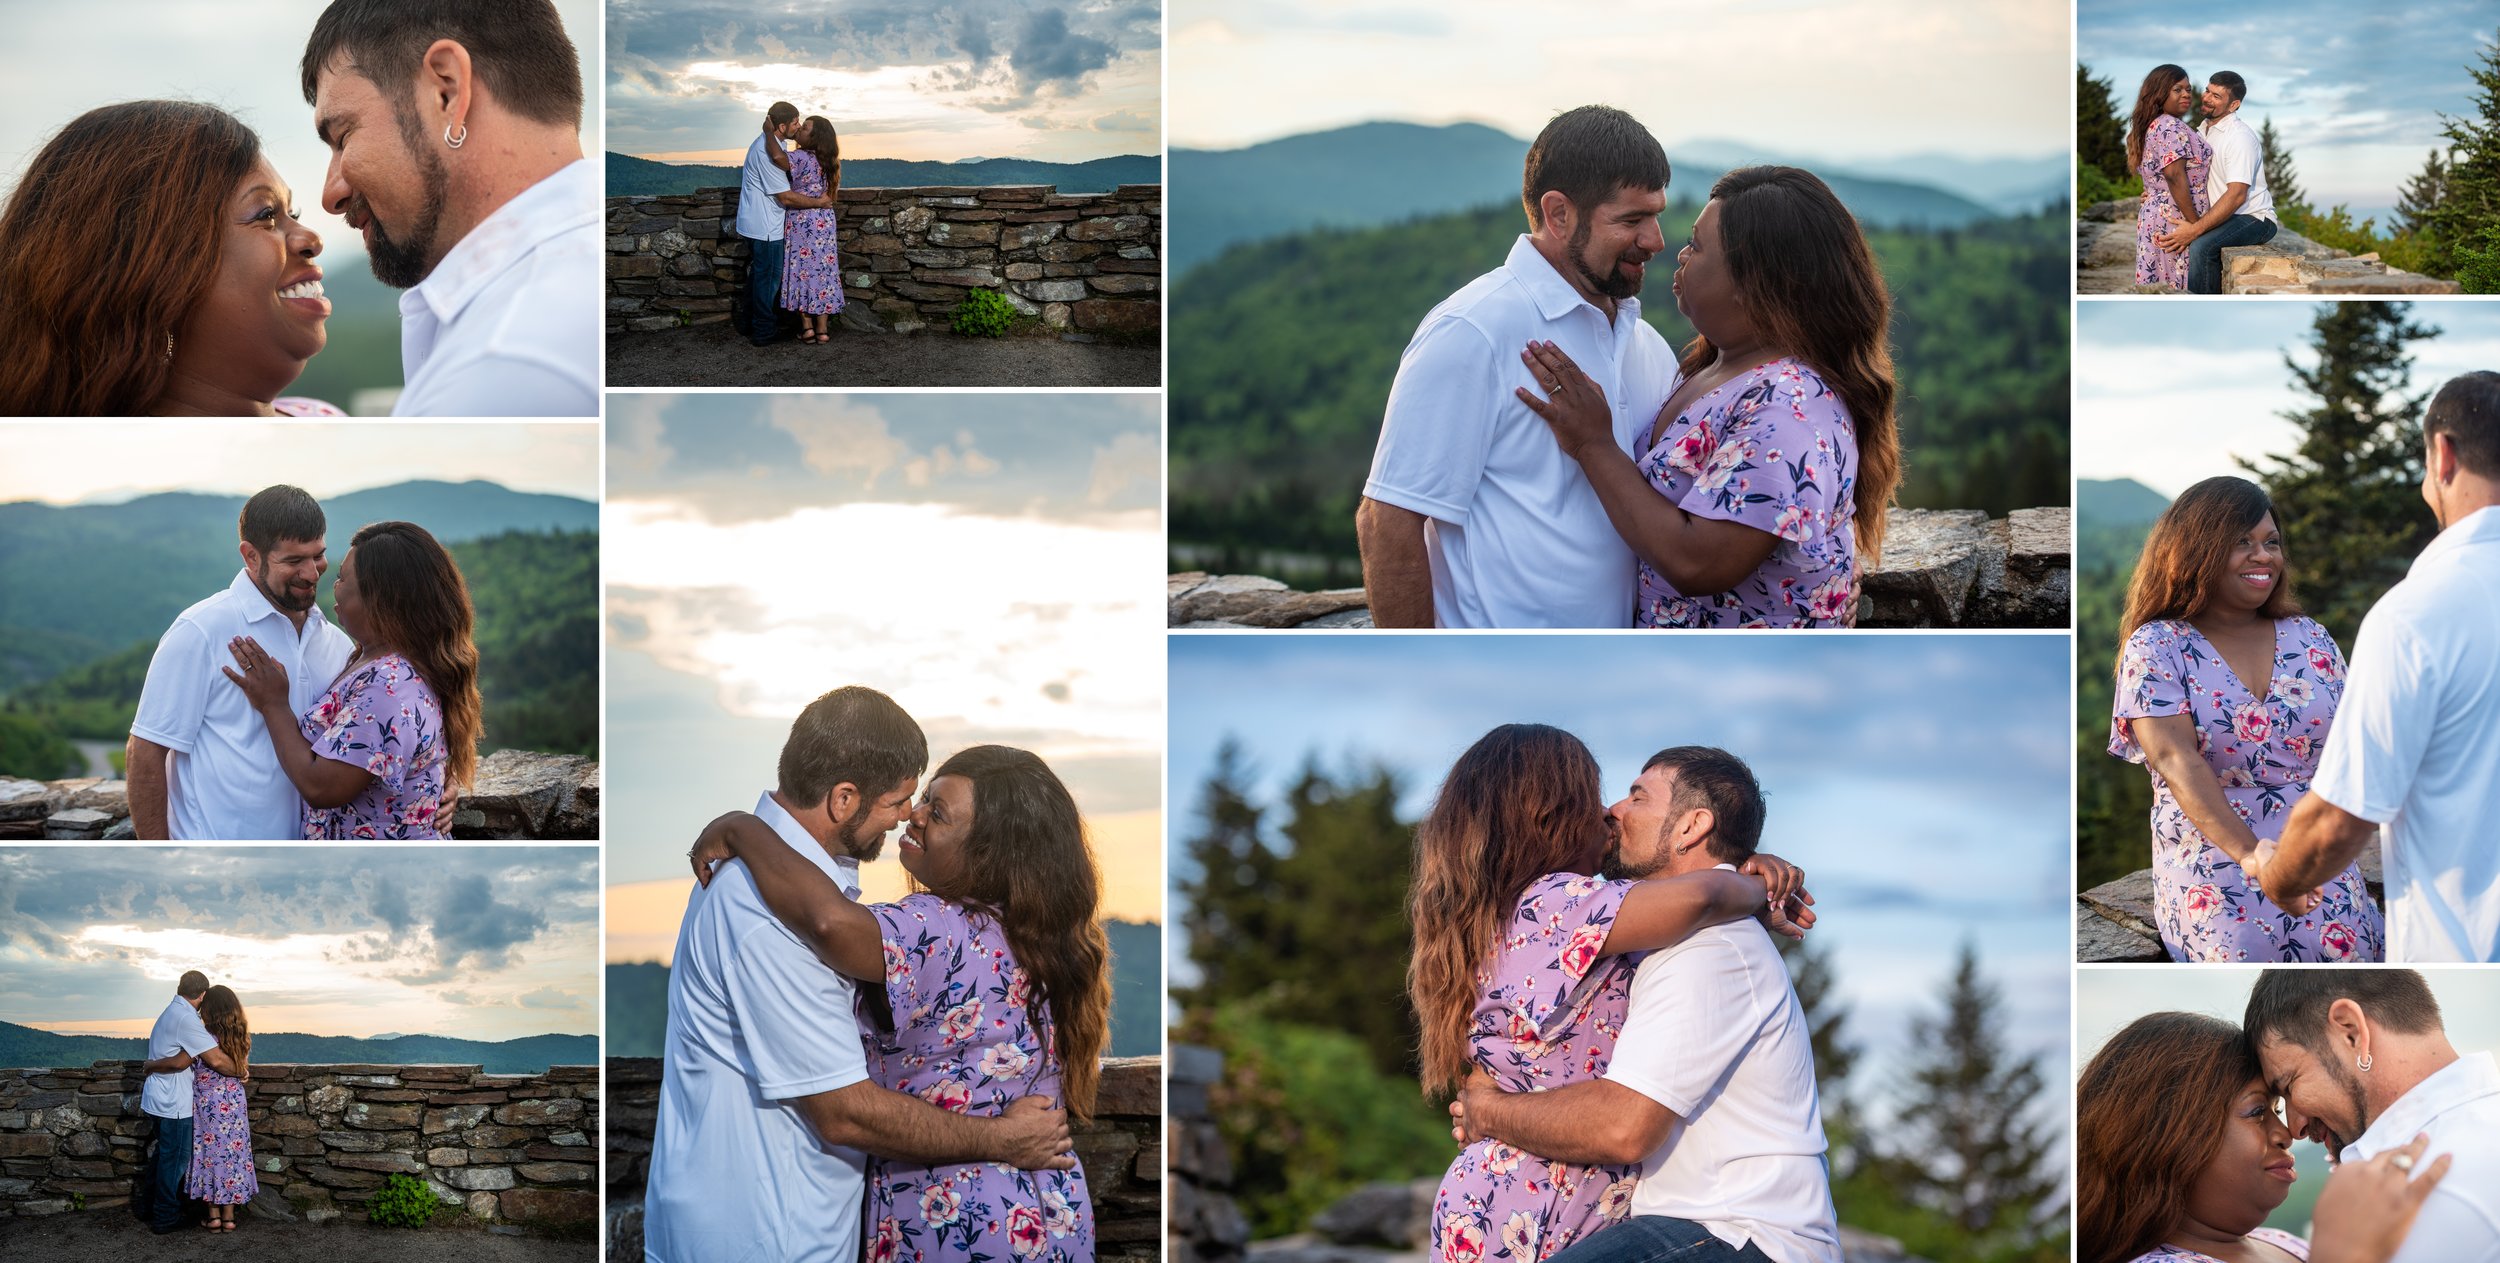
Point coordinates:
[[2422, 195], [1968, 1142], [2348, 500], [2281, 184], [2100, 130], [2468, 214], [1817, 983]]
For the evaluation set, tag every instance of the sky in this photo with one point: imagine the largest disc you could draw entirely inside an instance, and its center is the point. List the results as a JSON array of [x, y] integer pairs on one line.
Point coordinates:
[[2108, 998], [1823, 78], [2170, 393], [103, 462], [485, 943], [990, 561], [1921, 781], [242, 58], [2355, 91], [1055, 80]]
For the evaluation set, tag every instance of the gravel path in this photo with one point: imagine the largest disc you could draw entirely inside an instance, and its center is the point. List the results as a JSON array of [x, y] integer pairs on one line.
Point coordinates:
[[714, 355]]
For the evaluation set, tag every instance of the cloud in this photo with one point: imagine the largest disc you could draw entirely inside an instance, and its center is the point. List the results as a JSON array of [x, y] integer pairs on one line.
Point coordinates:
[[1049, 53], [470, 922]]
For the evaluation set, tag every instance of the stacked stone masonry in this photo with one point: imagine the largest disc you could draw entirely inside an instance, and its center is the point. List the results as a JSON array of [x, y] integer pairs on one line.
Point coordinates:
[[2116, 922], [1089, 262], [501, 1148], [519, 794], [1121, 1148], [2289, 264]]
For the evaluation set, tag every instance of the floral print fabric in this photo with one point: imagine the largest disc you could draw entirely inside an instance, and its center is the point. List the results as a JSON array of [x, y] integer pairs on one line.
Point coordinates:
[[1548, 1012], [221, 1140], [962, 1042], [2167, 141], [1773, 449], [382, 717], [2275, 1237], [2264, 750], [811, 268]]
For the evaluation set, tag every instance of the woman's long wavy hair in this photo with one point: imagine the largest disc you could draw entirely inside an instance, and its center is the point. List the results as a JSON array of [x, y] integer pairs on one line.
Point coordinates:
[[222, 1014], [2187, 551], [1522, 802], [1027, 866], [1809, 280], [2150, 1112], [419, 606], [823, 142], [112, 237], [2148, 106]]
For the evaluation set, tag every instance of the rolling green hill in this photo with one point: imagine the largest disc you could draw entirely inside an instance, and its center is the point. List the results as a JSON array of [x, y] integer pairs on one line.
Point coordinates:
[[26, 1047], [631, 176], [2113, 798]]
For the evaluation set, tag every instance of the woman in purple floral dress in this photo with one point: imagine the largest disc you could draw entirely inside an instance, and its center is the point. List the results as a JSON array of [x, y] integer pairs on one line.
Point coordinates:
[[378, 755], [221, 1131], [811, 268], [1770, 467], [996, 987], [2172, 159], [1522, 971], [2209, 611]]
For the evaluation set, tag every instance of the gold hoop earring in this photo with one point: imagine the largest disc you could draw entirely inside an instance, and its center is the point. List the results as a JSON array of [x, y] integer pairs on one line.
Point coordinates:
[[455, 141]]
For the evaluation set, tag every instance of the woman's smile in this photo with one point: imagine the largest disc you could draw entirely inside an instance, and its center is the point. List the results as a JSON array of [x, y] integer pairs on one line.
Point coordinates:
[[302, 294], [2281, 1167]]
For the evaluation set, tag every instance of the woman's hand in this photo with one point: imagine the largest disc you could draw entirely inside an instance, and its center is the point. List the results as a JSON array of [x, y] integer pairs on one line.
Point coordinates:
[[2367, 1207], [263, 679], [1576, 410], [1787, 905], [719, 843]]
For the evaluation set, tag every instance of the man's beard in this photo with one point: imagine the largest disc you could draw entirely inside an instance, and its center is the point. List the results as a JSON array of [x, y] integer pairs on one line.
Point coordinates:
[[2351, 1083], [279, 597], [846, 835], [1616, 868], [401, 264], [1614, 284]]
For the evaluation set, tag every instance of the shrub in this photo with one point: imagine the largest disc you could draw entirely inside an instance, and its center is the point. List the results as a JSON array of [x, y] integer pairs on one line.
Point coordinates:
[[2478, 262], [404, 1202], [985, 313], [2092, 186]]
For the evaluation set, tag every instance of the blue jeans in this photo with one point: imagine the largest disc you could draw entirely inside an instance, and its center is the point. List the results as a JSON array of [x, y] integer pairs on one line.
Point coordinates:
[[1658, 1239], [757, 311], [2205, 253], [171, 1163]]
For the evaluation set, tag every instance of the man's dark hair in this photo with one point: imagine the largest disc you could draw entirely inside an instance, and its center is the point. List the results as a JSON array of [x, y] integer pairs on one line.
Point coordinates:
[[2291, 1004], [519, 48], [1587, 155], [1706, 776], [855, 736], [194, 984], [2467, 410], [280, 512], [782, 114], [2231, 83]]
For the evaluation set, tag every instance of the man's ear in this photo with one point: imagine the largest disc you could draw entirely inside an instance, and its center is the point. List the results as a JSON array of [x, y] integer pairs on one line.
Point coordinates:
[[2349, 1026], [2442, 457], [1555, 210], [841, 802], [447, 80], [1695, 828]]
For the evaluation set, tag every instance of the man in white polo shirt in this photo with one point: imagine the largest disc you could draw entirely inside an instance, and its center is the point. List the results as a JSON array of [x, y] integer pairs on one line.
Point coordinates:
[[2363, 1064], [165, 1098], [765, 1104], [764, 199], [199, 762], [2239, 210], [2416, 743], [1473, 515], [1711, 1088]]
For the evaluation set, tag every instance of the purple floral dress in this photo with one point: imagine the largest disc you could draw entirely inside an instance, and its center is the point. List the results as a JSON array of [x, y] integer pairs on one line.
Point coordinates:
[[221, 1140], [380, 716], [2167, 141], [1772, 449], [811, 269], [2264, 751], [961, 1041], [2275, 1237], [1548, 1013]]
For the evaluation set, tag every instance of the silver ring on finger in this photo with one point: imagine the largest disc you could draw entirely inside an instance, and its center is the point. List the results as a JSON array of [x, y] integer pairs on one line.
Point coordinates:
[[2402, 1162]]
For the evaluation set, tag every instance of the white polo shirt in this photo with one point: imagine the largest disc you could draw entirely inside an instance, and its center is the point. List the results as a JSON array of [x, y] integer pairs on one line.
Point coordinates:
[[1516, 536], [177, 1029], [225, 784], [2459, 1109], [760, 218], [2416, 745], [1716, 1035], [754, 1021], [2239, 158], [508, 324]]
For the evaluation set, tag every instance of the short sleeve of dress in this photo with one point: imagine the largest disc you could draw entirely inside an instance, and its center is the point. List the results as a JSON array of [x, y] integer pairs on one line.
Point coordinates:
[[2150, 683], [2165, 143], [366, 729], [1778, 466], [1553, 944], [922, 935]]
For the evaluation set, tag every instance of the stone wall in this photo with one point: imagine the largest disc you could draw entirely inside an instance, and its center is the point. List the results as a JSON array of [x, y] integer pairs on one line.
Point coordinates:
[[520, 794], [2289, 264], [2114, 920], [1206, 1225], [1092, 262], [1941, 568], [1121, 1148], [502, 1148]]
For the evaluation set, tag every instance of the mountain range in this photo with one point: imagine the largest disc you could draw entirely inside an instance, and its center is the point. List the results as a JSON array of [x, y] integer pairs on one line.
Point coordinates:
[[630, 176], [1383, 172], [2111, 517], [27, 1047]]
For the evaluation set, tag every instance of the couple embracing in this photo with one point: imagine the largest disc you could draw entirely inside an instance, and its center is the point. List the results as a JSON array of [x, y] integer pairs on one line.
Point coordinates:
[[909, 1067], [199, 1059], [787, 191], [1545, 461], [2204, 186], [1599, 990]]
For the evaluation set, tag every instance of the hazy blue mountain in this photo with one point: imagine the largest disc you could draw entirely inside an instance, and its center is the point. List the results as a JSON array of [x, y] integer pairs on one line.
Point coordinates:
[[632, 176], [2112, 516], [25, 1047]]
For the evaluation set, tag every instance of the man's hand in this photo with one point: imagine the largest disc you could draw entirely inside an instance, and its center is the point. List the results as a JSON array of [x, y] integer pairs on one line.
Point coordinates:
[[1034, 1136], [1467, 1128], [176, 1061]]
